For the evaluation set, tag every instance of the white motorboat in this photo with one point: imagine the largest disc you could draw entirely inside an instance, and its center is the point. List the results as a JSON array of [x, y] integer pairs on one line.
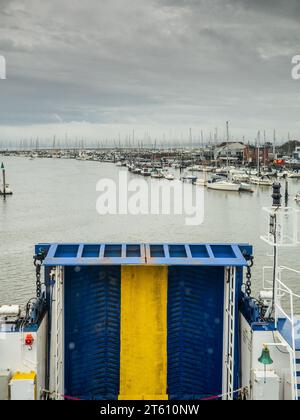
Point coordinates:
[[294, 175], [136, 170], [297, 198], [190, 179], [283, 174], [195, 168], [201, 182], [223, 171], [245, 187], [240, 177], [223, 185], [156, 174], [146, 172], [207, 169], [261, 181], [169, 176]]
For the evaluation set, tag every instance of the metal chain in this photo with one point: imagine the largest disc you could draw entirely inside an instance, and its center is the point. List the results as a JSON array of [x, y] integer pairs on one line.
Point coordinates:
[[38, 261], [248, 283]]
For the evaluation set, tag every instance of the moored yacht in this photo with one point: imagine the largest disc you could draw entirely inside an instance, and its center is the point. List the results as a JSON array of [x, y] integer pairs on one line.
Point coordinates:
[[245, 187], [169, 176], [262, 181], [223, 185], [294, 175], [146, 172], [191, 179], [156, 174], [201, 182], [136, 170]]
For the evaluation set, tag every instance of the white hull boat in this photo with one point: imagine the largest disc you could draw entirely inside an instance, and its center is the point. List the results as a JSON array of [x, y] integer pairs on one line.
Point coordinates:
[[195, 168], [146, 172], [245, 187], [207, 169], [137, 171], [189, 179], [223, 186], [169, 177], [157, 175], [294, 175], [201, 183], [264, 182]]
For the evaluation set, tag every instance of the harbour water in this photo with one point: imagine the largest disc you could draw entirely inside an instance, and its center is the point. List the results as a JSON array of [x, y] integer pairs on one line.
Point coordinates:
[[55, 201]]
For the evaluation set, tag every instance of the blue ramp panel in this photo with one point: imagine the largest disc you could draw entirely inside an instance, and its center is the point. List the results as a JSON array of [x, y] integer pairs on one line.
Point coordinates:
[[195, 332], [92, 332], [143, 254]]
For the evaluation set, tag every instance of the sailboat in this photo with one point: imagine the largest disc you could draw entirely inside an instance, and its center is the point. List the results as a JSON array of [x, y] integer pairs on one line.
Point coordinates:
[[224, 185], [259, 179]]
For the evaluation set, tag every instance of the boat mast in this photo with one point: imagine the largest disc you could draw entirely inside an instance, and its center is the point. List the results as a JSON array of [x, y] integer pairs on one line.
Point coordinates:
[[4, 180], [258, 153], [227, 146]]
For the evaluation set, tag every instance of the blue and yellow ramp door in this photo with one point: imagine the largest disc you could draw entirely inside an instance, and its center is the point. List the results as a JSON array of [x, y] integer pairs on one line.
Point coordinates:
[[144, 321]]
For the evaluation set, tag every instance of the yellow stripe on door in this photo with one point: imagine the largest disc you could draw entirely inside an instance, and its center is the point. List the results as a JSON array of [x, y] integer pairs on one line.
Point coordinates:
[[143, 371]]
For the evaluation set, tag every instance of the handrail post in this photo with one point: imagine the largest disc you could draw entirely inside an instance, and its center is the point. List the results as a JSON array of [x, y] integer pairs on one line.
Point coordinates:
[[290, 316], [294, 374]]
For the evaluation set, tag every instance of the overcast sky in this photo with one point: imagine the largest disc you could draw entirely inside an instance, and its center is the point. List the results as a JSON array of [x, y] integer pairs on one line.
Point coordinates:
[[97, 68]]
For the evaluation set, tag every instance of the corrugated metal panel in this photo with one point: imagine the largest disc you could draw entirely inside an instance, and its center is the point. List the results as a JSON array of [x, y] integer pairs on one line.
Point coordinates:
[[144, 333], [195, 331], [239, 283], [92, 332]]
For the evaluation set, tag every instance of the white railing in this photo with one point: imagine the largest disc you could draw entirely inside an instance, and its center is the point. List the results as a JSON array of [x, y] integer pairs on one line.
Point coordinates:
[[267, 283], [229, 335], [286, 222], [285, 308], [59, 340]]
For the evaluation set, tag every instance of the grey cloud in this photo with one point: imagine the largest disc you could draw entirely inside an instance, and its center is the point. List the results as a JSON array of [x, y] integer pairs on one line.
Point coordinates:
[[280, 8], [150, 61]]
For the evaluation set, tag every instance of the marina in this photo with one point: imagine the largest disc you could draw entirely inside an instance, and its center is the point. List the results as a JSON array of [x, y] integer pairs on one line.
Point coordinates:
[[196, 166], [39, 201]]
